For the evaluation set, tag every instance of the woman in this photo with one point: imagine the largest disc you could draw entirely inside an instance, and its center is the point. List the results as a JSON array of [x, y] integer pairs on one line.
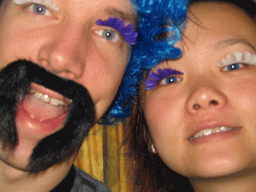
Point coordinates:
[[197, 112]]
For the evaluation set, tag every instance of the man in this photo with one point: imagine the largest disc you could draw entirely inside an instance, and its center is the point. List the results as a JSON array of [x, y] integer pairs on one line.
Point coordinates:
[[61, 63]]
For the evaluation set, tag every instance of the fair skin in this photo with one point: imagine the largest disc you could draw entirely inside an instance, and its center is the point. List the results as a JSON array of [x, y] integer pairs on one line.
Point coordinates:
[[207, 96], [68, 43]]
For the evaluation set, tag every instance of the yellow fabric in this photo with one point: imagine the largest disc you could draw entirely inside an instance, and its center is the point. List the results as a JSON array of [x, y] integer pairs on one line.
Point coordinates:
[[90, 156], [103, 156]]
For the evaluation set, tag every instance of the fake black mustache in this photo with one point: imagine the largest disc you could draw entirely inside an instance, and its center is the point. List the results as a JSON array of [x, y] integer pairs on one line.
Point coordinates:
[[15, 80]]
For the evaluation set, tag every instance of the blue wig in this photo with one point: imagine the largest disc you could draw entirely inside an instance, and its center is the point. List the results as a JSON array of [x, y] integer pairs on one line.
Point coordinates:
[[155, 18]]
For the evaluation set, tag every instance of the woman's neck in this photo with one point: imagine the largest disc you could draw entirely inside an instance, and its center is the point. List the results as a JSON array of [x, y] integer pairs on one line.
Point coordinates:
[[245, 181]]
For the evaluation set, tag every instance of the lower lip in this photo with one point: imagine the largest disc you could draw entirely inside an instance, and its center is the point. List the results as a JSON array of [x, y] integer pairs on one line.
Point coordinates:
[[29, 125], [216, 137]]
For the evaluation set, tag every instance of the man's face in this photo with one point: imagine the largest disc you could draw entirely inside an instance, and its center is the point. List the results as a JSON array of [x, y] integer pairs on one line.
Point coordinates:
[[63, 38]]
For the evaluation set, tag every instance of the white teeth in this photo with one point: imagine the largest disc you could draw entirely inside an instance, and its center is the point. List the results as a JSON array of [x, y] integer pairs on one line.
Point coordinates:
[[207, 132], [46, 98], [56, 102]]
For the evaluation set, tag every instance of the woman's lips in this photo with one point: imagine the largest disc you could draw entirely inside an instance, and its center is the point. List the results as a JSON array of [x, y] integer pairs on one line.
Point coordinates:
[[209, 131]]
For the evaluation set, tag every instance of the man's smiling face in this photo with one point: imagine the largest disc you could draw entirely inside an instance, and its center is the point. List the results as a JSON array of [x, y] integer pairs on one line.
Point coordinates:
[[63, 38]]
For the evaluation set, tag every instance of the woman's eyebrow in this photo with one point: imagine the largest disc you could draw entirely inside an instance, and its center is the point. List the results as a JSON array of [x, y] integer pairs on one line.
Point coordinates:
[[230, 42], [129, 17]]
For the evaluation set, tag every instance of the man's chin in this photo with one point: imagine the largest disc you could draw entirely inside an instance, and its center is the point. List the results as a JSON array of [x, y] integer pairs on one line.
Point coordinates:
[[13, 158], [13, 161], [52, 143]]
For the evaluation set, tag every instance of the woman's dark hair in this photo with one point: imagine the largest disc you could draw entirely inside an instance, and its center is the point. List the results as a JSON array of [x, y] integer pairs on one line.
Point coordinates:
[[153, 174]]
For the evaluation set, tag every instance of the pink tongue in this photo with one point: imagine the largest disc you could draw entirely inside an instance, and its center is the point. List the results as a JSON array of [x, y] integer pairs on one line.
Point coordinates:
[[40, 110]]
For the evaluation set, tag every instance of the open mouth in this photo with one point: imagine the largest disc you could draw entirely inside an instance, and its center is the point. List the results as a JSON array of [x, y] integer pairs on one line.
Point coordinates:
[[42, 106], [40, 114], [47, 99]]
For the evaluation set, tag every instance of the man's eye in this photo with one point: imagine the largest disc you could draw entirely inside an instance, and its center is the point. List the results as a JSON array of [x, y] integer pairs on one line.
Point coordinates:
[[109, 35], [233, 67], [169, 80], [39, 9]]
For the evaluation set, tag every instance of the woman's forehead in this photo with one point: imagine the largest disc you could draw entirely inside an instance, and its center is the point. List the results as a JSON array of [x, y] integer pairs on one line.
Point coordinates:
[[220, 19], [215, 12]]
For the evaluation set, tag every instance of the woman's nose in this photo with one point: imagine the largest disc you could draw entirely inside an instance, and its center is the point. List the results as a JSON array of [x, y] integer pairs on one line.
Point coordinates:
[[205, 98]]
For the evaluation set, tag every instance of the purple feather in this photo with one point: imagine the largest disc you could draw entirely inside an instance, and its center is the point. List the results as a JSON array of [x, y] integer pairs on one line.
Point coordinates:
[[126, 31], [156, 77]]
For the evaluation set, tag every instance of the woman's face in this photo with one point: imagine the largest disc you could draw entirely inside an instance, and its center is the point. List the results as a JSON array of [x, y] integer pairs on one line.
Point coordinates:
[[202, 119]]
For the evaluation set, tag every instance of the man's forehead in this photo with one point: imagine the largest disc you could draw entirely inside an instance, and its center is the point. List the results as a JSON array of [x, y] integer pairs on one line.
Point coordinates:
[[127, 16], [123, 9]]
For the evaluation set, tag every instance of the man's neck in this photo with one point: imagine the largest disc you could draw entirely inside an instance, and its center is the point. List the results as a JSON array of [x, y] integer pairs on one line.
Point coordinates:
[[12, 179]]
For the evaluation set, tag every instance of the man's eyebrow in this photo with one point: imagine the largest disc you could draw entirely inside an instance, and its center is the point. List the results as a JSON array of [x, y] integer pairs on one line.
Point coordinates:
[[232, 41], [129, 17]]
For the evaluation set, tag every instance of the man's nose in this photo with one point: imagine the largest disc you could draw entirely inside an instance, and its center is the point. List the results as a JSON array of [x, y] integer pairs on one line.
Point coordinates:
[[64, 52]]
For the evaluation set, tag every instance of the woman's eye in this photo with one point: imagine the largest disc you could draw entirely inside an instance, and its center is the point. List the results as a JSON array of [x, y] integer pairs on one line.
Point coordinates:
[[169, 80], [109, 35], [232, 67], [39, 9]]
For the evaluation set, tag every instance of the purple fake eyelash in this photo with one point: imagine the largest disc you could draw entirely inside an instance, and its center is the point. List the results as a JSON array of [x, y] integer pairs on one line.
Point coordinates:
[[156, 77], [126, 31]]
